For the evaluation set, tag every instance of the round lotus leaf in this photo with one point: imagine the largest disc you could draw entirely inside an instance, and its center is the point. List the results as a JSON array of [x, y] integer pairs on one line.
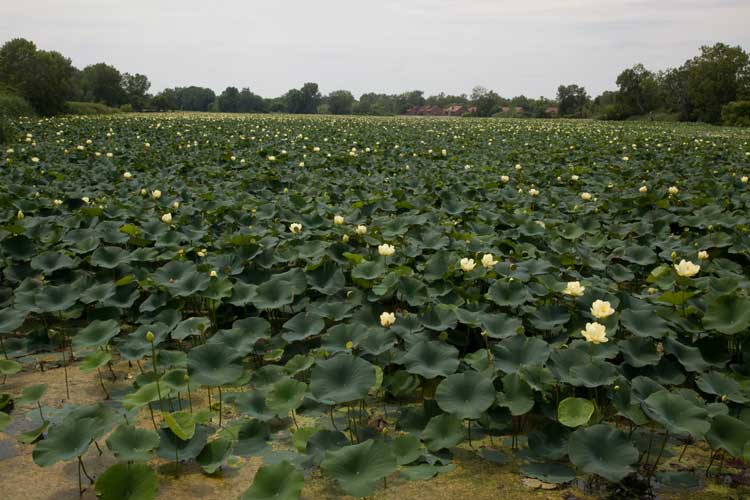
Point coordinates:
[[31, 435], [465, 395], [439, 318], [639, 352], [144, 395], [549, 441], [514, 352], [688, 356], [431, 359], [327, 278], [508, 293], [367, 270], [214, 455], [52, 298], [181, 423], [729, 434], [9, 367], [517, 395], [644, 323], [31, 394], [728, 314], [501, 326], [273, 294], [324, 441], [423, 472], [677, 414], [342, 379], [443, 431], [276, 482], [494, 456], [720, 385], [128, 482], [5, 420], [250, 437], [100, 419], [602, 450], [190, 327], [407, 449], [549, 473], [574, 412], [595, 373], [65, 441], [549, 318], [96, 334], [252, 404], [302, 326], [285, 395], [212, 365], [109, 257], [243, 335], [49, 262], [187, 450], [358, 468], [133, 444], [636, 254], [11, 320]]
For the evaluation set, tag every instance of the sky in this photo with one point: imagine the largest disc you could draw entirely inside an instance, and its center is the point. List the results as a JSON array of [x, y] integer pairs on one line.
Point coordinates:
[[513, 47]]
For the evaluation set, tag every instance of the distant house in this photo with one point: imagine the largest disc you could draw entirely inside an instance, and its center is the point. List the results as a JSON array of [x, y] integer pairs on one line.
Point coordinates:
[[505, 109], [455, 110], [551, 111], [519, 109], [473, 110]]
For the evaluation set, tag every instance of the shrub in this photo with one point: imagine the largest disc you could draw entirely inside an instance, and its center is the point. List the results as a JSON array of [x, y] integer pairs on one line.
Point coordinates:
[[126, 108], [88, 108], [13, 105], [6, 130], [736, 114]]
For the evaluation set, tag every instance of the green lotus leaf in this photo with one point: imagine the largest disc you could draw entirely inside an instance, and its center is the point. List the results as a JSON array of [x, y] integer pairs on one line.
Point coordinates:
[[508, 293], [517, 395], [214, 455], [407, 449], [443, 431], [9, 367], [213, 365], [342, 379], [729, 434], [285, 396], [594, 374], [190, 327], [100, 418], [65, 441], [181, 279], [324, 441], [423, 472], [252, 404], [636, 254], [548, 318], [602, 450], [132, 444], [514, 352], [678, 415], [128, 482], [549, 473], [276, 482], [273, 294], [302, 326], [250, 437], [639, 352], [337, 337], [326, 278], [728, 314], [501, 326], [52, 298], [31, 394], [5, 420], [466, 395], [145, 394], [574, 412], [688, 356], [181, 423], [186, 450], [11, 319], [99, 292], [367, 270], [109, 257], [96, 334], [301, 436], [494, 456], [549, 441], [431, 359], [644, 323], [439, 318], [31, 435], [358, 468], [243, 335], [242, 294], [720, 385], [49, 262]]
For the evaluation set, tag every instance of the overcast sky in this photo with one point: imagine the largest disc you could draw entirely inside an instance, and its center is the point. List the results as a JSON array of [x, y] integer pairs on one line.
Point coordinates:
[[512, 46]]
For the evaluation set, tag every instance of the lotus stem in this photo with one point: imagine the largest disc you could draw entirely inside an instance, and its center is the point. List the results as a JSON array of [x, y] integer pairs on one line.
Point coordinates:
[[682, 452], [468, 432], [65, 370], [333, 422], [41, 415], [220, 407], [150, 338], [710, 463], [101, 382], [294, 419], [83, 468], [98, 449], [661, 451]]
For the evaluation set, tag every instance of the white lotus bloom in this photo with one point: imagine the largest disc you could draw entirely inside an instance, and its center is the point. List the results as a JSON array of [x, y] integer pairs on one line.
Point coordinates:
[[127, 175], [86, 200], [643, 189], [271, 158], [57, 202], [687, 269], [533, 192], [596, 333], [295, 228], [338, 219], [601, 309], [673, 190], [387, 319], [574, 177], [345, 238], [34, 159], [505, 178], [361, 230], [574, 289], [488, 261], [386, 250], [743, 179], [166, 218], [703, 255], [156, 194], [213, 274], [20, 215], [585, 196], [176, 204], [467, 265]]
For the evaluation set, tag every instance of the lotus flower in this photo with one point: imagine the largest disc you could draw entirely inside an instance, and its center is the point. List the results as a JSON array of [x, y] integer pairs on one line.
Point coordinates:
[[687, 269], [601, 309], [596, 333]]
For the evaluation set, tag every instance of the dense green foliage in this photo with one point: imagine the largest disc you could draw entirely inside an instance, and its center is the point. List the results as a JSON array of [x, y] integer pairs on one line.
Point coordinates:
[[440, 279], [736, 114], [88, 108]]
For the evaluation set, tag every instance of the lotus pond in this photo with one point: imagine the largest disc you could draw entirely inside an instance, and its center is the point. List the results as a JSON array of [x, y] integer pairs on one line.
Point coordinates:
[[265, 307]]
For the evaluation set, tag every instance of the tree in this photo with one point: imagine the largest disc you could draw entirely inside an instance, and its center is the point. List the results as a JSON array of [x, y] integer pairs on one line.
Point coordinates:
[[718, 76], [340, 102], [43, 78], [572, 100], [136, 90], [251, 103], [486, 101], [639, 91], [103, 83], [229, 100], [165, 100], [194, 98]]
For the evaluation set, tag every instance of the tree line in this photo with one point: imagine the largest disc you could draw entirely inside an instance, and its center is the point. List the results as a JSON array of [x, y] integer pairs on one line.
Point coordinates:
[[712, 87]]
